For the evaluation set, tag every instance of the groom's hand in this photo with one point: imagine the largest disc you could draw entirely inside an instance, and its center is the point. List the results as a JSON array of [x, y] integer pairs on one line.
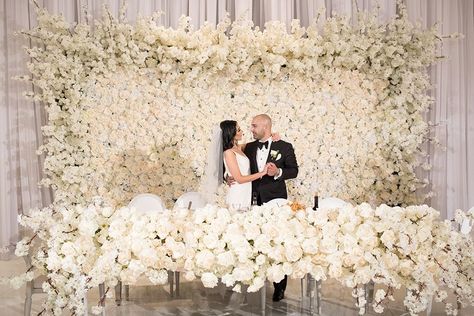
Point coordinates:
[[272, 169]]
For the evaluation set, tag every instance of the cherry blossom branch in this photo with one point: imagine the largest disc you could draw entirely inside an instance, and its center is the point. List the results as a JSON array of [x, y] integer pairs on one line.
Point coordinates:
[[389, 293], [102, 299]]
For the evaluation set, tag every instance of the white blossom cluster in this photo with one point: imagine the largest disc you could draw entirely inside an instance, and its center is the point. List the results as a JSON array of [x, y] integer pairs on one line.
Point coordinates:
[[80, 247], [131, 107]]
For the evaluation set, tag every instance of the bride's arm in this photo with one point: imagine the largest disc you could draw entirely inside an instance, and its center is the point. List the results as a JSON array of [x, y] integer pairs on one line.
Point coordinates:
[[231, 161]]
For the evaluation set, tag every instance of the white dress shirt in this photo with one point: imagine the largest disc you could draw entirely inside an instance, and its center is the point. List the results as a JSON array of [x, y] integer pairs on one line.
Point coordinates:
[[262, 156]]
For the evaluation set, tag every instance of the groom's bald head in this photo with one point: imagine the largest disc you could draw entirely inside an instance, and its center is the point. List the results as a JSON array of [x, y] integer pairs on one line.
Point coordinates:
[[261, 127], [265, 119]]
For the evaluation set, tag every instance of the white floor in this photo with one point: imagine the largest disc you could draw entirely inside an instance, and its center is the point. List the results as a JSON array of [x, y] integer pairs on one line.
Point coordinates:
[[194, 299]]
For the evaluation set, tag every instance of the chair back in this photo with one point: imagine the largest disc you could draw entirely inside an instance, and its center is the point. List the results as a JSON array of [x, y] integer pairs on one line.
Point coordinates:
[[277, 202], [331, 202], [191, 200], [147, 202]]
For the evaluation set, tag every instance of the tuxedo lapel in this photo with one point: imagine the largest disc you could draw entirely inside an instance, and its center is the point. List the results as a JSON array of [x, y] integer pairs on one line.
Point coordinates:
[[253, 157], [272, 145]]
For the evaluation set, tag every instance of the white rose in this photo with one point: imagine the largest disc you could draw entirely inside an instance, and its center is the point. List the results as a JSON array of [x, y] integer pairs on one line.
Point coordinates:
[[68, 249], [209, 280], [243, 273], [260, 260], [148, 256], [107, 211], [262, 243], [205, 259], [228, 279], [88, 227], [293, 251], [275, 273], [226, 259], [388, 239], [189, 275], [276, 253], [136, 267], [178, 249], [365, 210], [158, 277], [257, 283], [390, 260], [237, 288], [252, 231], [210, 240]]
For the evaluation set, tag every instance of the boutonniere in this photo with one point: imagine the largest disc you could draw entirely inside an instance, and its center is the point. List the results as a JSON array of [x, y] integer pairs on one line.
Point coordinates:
[[275, 155]]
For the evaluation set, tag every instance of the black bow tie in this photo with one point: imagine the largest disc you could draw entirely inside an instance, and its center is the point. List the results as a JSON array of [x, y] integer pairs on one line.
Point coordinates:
[[260, 145]]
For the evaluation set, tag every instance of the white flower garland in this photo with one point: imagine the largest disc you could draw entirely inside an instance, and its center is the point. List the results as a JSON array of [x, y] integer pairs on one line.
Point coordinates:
[[131, 108], [81, 247]]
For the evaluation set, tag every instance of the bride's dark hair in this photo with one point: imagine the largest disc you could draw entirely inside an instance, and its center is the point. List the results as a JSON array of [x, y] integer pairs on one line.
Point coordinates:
[[229, 129]]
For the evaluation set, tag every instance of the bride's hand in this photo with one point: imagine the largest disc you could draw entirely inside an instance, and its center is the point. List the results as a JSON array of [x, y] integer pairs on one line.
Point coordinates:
[[264, 171], [276, 137]]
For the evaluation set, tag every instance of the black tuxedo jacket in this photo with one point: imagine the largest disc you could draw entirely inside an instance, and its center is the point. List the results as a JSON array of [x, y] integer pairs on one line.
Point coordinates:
[[268, 188]]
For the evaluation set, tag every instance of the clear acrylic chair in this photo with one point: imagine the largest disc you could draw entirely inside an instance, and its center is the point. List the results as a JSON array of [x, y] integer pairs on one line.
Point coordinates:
[[32, 287], [145, 202], [191, 201]]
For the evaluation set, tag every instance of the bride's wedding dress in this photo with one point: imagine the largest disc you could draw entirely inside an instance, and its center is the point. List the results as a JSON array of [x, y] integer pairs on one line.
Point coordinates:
[[239, 196]]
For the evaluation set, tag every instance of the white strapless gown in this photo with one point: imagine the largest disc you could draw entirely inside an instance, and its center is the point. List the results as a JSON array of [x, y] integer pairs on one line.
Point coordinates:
[[239, 196]]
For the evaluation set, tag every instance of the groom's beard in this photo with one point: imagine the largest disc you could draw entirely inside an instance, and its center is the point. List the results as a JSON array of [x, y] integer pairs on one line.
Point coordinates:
[[256, 137]]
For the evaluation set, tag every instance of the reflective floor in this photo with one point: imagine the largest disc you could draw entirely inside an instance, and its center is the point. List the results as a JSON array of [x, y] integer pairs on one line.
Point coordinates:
[[194, 299]]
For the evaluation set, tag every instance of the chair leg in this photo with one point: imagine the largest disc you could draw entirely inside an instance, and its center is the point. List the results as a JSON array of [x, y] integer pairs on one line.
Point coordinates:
[[369, 295], [317, 288], [171, 281], [429, 307], [302, 288], [86, 305], [127, 292], [176, 276], [29, 293], [314, 289], [309, 280], [118, 293], [102, 293]]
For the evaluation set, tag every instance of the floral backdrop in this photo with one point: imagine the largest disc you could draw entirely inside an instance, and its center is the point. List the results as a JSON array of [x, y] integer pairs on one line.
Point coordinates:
[[132, 107]]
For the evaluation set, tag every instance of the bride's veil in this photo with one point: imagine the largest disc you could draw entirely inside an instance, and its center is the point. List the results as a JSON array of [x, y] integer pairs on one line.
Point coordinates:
[[214, 172]]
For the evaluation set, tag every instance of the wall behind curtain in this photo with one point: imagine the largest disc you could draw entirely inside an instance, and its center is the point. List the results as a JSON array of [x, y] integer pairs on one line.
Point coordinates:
[[452, 176]]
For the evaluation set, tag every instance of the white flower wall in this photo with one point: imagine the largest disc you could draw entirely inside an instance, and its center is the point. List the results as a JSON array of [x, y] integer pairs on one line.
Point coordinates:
[[131, 108]]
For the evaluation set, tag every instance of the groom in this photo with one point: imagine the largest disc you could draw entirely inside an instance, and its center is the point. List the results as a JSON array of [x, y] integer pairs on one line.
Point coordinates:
[[282, 166]]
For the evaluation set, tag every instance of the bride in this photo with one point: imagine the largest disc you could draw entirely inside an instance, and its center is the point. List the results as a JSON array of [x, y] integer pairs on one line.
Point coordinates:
[[226, 158]]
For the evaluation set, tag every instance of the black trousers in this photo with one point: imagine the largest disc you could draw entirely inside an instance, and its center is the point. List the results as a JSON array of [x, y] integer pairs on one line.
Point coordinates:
[[280, 286]]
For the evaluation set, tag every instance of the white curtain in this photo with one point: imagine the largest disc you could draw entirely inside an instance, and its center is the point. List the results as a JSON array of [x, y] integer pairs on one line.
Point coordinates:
[[452, 176]]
